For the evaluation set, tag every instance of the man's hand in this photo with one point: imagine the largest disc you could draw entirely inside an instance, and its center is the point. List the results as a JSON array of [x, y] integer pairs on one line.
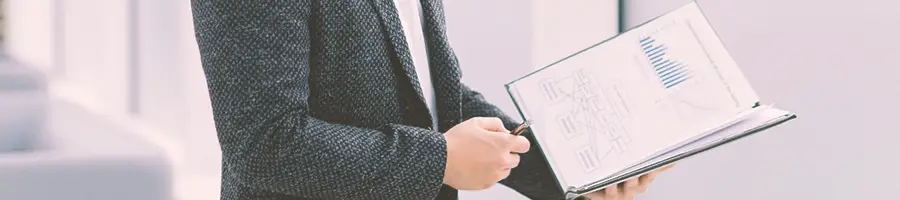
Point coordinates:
[[628, 189], [481, 152]]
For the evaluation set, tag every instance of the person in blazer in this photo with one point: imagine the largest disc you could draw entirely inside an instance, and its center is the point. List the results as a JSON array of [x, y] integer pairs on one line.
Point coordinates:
[[326, 99]]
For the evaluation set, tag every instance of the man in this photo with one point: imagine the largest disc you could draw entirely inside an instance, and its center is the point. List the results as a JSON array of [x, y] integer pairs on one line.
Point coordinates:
[[355, 99]]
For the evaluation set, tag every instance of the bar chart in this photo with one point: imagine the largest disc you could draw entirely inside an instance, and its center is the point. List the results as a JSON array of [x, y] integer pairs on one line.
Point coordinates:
[[670, 71]]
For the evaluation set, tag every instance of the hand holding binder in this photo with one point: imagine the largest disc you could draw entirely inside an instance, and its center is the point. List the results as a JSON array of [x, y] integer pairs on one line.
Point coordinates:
[[628, 189], [627, 106]]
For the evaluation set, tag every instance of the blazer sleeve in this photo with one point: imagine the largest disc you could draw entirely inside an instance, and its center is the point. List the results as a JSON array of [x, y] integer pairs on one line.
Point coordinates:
[[255, 56], [532, 177]]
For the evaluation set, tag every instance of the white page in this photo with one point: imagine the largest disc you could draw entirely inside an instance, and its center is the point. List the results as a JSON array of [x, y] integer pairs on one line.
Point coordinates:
[[615, 104], [765, 115]]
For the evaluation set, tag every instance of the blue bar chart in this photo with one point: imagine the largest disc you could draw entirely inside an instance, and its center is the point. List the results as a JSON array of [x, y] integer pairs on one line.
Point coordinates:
[[670, 72]]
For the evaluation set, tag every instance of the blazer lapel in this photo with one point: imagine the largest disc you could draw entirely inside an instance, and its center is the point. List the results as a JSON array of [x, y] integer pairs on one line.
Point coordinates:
[[391, 22], [444, 65]]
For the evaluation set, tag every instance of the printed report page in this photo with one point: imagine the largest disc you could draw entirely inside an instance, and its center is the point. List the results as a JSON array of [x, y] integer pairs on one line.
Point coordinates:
[[644, 91]]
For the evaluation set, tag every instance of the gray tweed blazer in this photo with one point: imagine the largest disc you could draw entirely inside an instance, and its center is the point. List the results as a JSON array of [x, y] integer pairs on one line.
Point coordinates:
[[318, 99]]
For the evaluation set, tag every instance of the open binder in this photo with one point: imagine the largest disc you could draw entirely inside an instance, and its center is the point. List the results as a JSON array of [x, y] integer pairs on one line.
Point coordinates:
[[658, 93]]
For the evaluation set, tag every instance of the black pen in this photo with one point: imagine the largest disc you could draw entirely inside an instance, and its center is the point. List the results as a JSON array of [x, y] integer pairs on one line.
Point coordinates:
[[521, 129]]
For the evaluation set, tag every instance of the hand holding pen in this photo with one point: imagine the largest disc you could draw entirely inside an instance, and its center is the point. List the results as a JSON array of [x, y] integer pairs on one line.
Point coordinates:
[[481, 151]]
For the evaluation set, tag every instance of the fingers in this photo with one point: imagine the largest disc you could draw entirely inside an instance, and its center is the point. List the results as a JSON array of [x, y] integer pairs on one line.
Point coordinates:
[[627, 195], [512, 161], [491, 124], [611, 192], [500, 175], [642, 188], [632, 183], [626, 190], [519, 144], [598, 195], [648, 178], [645, 181]]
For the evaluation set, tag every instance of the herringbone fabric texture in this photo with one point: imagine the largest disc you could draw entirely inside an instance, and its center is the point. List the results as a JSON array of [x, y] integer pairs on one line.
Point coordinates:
[[318, 99]]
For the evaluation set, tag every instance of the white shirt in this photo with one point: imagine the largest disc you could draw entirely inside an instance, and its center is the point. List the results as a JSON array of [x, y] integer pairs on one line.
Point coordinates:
[[411, 19]]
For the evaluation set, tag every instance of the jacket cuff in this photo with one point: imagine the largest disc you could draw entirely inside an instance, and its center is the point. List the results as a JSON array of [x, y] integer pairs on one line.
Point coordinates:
[[419, 174]]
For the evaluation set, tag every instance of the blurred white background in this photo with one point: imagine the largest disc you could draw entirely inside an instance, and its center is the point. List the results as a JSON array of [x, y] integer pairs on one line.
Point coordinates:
[[133, 64]]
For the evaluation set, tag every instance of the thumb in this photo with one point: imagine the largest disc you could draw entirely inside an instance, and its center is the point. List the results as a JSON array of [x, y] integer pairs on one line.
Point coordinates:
[[491, 124]]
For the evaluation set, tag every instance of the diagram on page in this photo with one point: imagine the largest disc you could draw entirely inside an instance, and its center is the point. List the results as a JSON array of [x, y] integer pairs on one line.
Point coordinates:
[[590, 112]]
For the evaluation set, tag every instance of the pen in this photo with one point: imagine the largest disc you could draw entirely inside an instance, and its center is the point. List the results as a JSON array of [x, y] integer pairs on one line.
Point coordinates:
[[521, 129]]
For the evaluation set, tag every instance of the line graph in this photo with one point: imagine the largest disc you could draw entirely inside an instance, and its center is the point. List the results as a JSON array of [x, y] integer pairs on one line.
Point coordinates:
[[674, 57]]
